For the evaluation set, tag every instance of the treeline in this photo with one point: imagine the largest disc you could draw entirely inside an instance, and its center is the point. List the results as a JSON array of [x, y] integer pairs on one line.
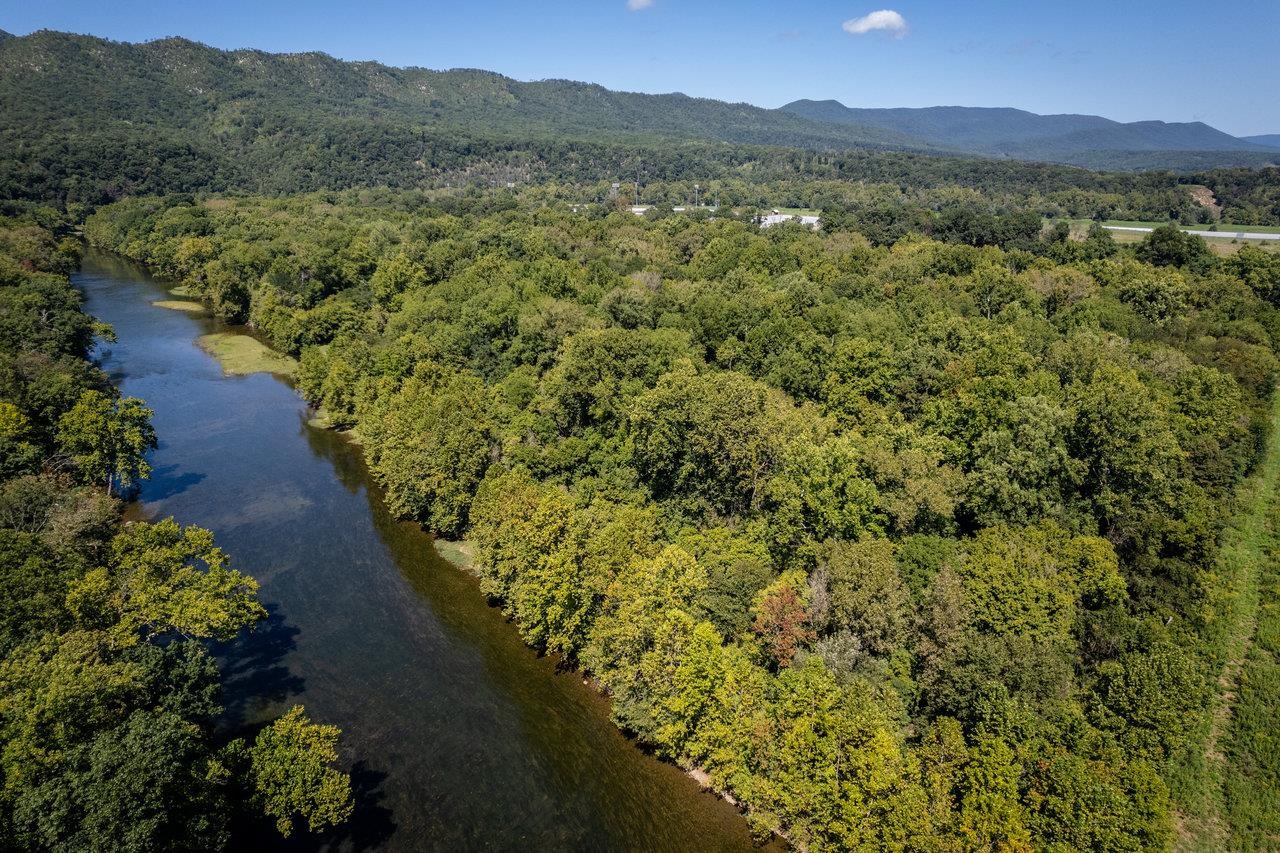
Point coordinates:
[[908, 546], [83, 167], [108, 694]]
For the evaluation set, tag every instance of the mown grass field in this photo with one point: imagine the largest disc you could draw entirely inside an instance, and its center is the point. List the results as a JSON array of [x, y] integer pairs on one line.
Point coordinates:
[[1230, 795], [1251, 783], [1227, 229]]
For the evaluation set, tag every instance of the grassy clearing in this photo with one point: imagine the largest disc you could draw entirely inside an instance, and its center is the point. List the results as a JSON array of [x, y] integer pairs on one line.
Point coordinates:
[[1220, 226], [1251, 782], [460, 552], [1232, 801], [1226, 248], [243, 355], [180, 305], [1227, 229], [183, 291], [1223, 246]]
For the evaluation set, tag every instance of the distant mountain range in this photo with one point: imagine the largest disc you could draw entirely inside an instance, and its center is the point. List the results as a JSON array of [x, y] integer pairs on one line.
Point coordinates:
[[179, 82], [176, 113], [1267, 140], [1006, 132]]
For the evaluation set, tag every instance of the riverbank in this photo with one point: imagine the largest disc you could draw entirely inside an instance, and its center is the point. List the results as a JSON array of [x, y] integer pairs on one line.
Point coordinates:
[[457, 734], [461, 554]]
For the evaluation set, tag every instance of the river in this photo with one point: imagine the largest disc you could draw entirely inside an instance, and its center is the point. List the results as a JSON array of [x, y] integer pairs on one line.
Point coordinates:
[[457, 735]]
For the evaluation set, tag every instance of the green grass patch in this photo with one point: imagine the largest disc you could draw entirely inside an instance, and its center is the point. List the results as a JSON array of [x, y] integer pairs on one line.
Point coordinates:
[[1230, 798], [1251, 781], [1227, 228], [1219, 226], [243, 355], [460, 552], [183, 290], [180, 305]]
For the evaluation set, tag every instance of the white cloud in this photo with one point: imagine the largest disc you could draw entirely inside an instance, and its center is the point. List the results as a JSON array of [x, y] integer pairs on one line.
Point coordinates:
[[637, 5], [886, 19]]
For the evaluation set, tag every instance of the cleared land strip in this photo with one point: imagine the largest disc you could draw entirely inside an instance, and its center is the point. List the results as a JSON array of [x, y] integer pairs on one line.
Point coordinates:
[[1221, 235], [1247, 562]]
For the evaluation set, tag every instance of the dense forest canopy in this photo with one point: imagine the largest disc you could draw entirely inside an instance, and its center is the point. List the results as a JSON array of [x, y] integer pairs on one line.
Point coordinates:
[[909, 544], [939, 527]]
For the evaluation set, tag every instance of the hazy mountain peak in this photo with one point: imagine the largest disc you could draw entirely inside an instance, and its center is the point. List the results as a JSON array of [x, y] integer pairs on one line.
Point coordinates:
[[1018, 133]]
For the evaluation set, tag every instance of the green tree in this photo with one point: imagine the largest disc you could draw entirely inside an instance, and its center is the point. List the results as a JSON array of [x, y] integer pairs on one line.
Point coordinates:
[[991, 814], [715, 438], [107, 439], [292, 775], [867, 594], [1168, 245], [1022, 470], [394, 276], [166, 579], [431, 450]]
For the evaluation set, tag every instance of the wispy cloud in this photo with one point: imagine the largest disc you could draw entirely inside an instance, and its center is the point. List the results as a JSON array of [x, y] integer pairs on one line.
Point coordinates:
[[886, 20], [639, 5]]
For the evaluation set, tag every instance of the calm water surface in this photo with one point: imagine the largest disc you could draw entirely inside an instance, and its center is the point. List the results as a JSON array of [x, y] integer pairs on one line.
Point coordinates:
[[457, 735]]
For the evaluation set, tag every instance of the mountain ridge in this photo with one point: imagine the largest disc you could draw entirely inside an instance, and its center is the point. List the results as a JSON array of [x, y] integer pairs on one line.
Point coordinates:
[[1266, 140], [1007, 131], [210, 78], [87, 117]]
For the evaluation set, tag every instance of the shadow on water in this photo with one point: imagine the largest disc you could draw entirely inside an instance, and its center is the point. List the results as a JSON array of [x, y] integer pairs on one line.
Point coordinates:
[[166, 482], [371, 827], [254, 671], [371, 824]]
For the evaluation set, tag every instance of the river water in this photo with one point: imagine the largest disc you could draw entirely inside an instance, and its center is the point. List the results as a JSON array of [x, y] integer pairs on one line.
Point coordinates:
[[457, 735]]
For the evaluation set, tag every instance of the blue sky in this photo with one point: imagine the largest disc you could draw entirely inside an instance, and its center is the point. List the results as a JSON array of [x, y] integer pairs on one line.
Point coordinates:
[[1125, 59]]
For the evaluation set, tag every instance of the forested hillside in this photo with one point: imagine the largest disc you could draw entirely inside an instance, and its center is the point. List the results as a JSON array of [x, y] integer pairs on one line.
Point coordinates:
[[85, 120], [907, 544], [1079, 139], [176, 115], [1268, 140], [108, 693]]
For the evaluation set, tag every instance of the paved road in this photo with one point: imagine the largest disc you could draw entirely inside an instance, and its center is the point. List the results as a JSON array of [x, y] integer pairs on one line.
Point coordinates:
[[1235, 235]]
